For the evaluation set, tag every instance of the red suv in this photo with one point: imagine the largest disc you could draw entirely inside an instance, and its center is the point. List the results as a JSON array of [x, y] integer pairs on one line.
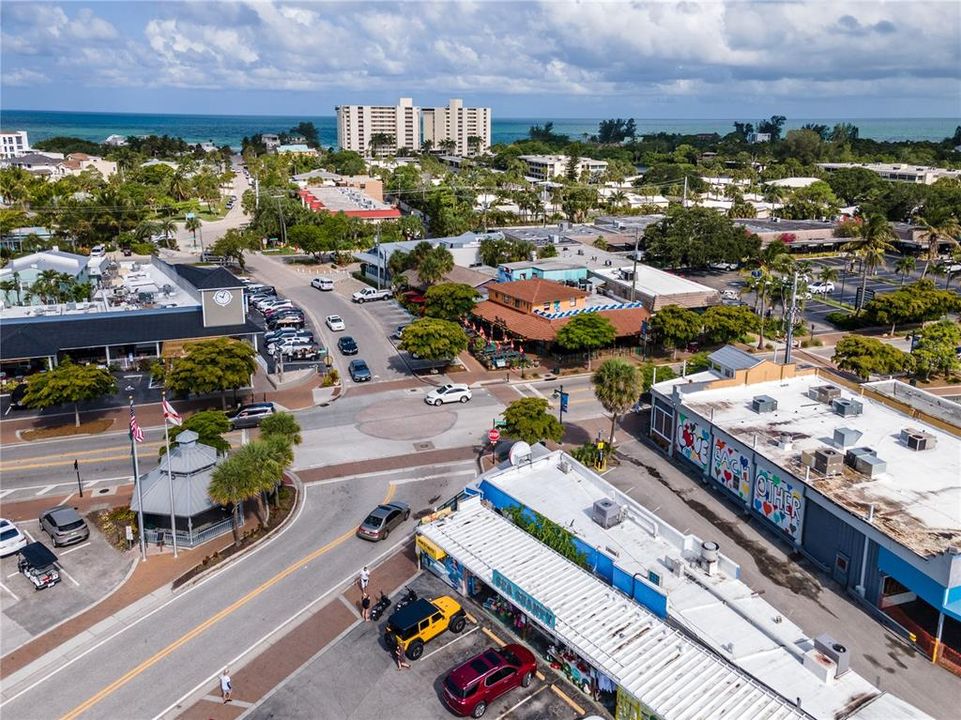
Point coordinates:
[[469, 688]]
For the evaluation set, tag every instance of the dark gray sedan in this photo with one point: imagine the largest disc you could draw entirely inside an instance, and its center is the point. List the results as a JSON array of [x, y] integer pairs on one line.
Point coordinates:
[[382, 520]]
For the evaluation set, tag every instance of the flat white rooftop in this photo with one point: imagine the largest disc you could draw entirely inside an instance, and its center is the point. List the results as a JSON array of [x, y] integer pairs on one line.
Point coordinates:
[[917, 499], [719, 610], [653, 281], [671, 674]]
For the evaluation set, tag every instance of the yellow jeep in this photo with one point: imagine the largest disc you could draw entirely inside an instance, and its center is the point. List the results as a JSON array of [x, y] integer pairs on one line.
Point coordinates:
[[422, 620]]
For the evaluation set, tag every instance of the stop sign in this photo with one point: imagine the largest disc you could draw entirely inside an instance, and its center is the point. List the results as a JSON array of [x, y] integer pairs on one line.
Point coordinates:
[[494, 435]]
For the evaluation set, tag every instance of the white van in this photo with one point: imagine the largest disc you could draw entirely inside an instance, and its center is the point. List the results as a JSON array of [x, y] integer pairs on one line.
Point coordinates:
[[98, 251]]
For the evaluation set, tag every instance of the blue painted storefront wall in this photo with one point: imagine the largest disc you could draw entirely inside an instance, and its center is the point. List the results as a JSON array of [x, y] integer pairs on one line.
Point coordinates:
[[924, 587], [601, 564]]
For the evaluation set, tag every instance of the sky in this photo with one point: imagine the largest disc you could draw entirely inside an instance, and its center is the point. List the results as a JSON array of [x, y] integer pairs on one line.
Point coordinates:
[[716, 59]]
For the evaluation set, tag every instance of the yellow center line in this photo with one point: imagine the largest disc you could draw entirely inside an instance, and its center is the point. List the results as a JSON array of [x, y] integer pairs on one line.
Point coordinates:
[[209, 622]]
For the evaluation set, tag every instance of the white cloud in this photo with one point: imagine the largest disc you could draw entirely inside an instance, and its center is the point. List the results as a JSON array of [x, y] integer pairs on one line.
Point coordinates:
[[23, 78], [629, 50]]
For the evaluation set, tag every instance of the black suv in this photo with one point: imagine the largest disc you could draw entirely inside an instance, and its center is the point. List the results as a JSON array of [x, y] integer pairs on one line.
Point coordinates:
[[347, 345]]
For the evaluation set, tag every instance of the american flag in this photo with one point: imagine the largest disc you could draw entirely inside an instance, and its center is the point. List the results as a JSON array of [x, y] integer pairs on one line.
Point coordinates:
[[136, 432]]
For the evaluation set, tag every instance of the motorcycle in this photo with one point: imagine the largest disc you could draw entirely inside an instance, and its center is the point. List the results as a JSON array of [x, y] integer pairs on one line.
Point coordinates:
[[406, 599], [383, 602]]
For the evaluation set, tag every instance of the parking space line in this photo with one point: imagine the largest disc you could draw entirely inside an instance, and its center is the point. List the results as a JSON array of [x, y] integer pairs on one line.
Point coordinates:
[[69, 576], [47, 489], [75, 547], [566, 698], [451, 642], [12, 593], [15, 572], [64, 501], [350, 606], [4, 493], [516, 705]]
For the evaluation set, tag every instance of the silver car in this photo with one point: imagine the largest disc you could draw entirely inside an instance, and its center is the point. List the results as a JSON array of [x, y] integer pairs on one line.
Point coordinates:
[[64, 526]]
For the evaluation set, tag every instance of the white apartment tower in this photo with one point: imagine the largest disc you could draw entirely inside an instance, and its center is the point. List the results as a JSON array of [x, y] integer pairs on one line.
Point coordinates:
[[468, 128], [379, 129], [13, 143]]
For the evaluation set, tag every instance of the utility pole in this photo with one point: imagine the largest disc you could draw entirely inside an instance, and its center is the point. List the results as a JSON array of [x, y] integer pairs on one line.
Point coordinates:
[[637, 240], [377, 253], [76, 467], [684, 201], [789, 334]]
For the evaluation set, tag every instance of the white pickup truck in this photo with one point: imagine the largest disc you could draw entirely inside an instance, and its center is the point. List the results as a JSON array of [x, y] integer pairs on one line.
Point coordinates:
[[370, 294]]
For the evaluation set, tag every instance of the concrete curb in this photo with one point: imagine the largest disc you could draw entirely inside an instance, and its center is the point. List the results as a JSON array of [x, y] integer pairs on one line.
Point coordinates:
[[301, 494]]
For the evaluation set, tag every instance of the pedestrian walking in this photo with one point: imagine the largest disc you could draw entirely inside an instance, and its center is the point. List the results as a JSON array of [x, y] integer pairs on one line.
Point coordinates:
[[399, 657], [363, 579], [365, 605], [225, 687]]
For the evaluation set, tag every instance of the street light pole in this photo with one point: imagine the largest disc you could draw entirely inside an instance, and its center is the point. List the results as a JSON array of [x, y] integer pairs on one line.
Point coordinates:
[[790, 321], [76, 467], [637, 240]]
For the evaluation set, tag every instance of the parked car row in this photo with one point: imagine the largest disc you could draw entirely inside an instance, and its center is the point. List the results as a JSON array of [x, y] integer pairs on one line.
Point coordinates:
[[286, 334]]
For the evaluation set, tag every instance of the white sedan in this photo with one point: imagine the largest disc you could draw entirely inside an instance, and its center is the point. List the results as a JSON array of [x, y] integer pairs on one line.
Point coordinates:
[[821, 287], [11, 539], [447, 394], [335, 323]]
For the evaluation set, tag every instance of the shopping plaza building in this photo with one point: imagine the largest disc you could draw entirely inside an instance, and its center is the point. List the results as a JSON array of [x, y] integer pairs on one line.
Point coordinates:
[[647, 620], [865, 481]]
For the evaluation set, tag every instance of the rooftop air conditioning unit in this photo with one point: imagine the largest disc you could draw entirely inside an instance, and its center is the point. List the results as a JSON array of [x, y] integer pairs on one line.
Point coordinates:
[[918, 439], [828, 461], [870, 465], [834, 650], [825, 393], [763, 404], [785, 441], [852, 456], [846, 437], [607, 513], [846, 407]]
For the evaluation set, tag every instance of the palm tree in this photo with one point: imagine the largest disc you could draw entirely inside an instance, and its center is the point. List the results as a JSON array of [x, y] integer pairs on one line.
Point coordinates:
[[281, 424], [193, 224], [874, 240], [935, 235], [167, 226], [905, 266], [7, 287], [761, 283], [617, 384], [617, 200], [145, 231], [230, 485]]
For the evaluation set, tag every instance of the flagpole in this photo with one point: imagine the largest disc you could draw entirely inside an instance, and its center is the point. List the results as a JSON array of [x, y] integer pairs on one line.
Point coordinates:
[[136, 480], [170, 477]]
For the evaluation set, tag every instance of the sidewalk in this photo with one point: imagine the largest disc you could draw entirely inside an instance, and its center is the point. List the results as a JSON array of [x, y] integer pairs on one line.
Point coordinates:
[[302, 642]]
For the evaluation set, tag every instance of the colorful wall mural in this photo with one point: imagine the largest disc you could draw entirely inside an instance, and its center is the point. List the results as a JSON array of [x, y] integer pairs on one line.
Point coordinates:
[[693, 440], [732, 468], [780, 502]]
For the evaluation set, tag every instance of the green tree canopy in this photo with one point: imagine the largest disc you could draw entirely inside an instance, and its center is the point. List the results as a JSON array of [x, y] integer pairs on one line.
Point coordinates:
[[865, 356], [210, 426], [586, 333], [675, 326], [251, 471], [855, 184], [917, 302], [696, 237], [815, 201], [936, 349], [282, 425], [618, 385], [497, 251], [650, 377], [529, 419], [233, 244], [726, 323], [211, 366], [68, 383], [434, 339], [450, 301], [434, 264]]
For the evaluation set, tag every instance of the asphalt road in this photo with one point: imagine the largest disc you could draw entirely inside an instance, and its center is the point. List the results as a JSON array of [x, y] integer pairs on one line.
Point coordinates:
[[155, 658]]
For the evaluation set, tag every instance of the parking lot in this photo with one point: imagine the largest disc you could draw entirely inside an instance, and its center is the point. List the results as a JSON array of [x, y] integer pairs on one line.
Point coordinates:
[[88, 571], [356, 678]]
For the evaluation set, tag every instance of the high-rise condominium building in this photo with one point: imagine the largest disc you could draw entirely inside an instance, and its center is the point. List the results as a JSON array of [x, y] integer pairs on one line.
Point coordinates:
[[379, 129], [457, 130]]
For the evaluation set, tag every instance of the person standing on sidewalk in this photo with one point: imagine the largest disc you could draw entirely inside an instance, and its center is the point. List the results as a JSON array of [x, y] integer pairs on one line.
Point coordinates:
[[225, 687], [365, 605], [363, 579]]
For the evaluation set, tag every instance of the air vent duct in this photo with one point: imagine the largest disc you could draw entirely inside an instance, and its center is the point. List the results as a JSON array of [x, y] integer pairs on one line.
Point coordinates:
[[834, 650], [825, 393], [845, 437]]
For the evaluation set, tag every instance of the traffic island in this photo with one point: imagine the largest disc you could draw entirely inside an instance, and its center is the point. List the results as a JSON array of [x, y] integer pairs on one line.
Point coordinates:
[[92, 427]]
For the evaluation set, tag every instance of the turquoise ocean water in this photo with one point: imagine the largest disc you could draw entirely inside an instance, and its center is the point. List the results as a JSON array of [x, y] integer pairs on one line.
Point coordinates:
[[229, 129]]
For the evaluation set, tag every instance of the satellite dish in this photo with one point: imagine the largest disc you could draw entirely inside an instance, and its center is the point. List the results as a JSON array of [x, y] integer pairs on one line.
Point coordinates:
[[520, 452]]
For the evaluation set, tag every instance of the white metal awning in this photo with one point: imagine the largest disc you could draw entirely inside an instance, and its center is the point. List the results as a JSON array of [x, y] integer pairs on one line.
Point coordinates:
[[672, 675]]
